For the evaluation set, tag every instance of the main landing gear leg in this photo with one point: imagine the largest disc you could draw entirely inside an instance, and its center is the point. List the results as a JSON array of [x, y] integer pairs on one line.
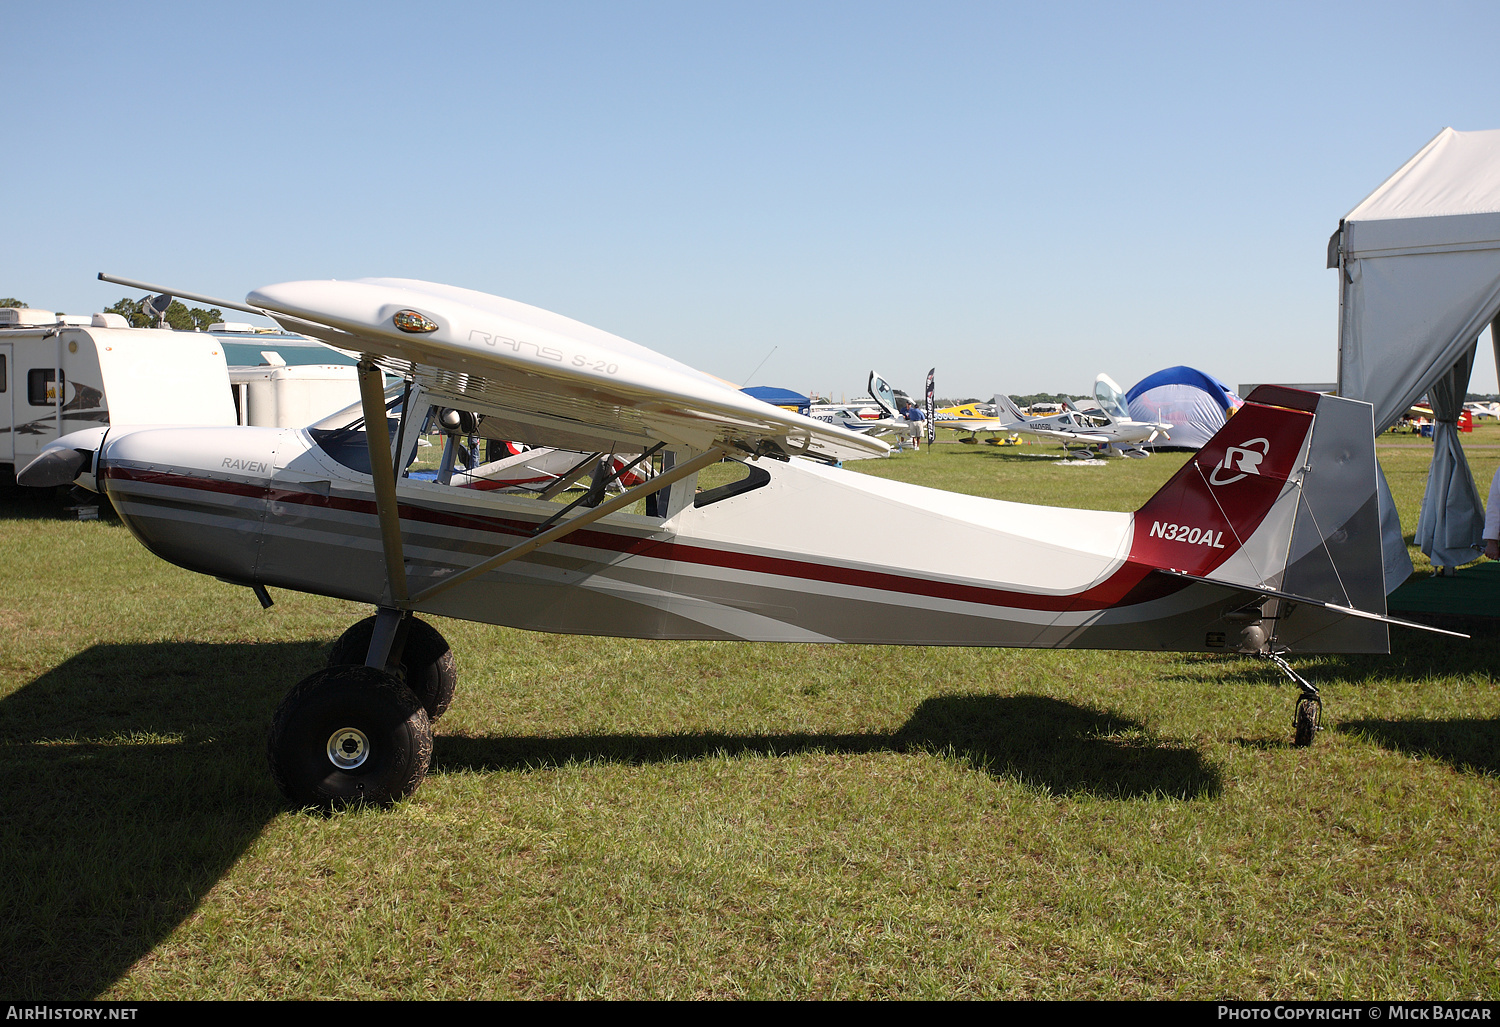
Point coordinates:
[[355, 732], [386, 638], [416, 651], [1308, 720]]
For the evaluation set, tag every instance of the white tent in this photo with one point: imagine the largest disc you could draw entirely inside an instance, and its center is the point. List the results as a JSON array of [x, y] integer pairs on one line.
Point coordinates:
[[1419, 279]]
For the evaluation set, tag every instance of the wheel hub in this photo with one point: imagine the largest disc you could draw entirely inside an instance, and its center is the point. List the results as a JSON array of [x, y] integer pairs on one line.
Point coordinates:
[[348, 747]]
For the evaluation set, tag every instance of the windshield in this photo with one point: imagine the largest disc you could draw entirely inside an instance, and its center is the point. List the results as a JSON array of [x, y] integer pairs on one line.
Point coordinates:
[[342, 434], [353, 415], [1111, 399]]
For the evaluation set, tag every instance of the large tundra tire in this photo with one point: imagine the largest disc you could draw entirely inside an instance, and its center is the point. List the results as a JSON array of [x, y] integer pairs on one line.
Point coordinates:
[[348, 736]]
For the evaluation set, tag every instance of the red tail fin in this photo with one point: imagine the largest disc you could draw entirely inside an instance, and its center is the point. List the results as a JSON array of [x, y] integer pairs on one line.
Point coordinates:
[[1221, 497]]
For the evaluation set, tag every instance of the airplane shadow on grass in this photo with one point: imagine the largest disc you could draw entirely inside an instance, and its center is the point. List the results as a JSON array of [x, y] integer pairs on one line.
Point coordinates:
[[1023, 454], [135, 777], [1041, 741]]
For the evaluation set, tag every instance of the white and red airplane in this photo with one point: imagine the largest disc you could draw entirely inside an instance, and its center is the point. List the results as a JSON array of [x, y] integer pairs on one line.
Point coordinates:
[[1265, 543]]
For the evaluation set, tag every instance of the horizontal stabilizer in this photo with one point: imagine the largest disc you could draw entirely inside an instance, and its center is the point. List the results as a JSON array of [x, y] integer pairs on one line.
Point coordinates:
[[1266, 592]]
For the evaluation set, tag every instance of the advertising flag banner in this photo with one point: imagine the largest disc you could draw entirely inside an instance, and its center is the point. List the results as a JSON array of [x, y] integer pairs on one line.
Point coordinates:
[[931, 410]]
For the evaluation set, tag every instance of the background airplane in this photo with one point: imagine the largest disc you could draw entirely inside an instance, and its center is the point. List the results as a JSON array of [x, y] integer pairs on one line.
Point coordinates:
[[849, 417], [1078, 431], [891, 423]]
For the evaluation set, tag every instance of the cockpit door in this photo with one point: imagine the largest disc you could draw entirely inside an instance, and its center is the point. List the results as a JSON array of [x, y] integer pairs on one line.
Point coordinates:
[[1111, 398], [883, 394]]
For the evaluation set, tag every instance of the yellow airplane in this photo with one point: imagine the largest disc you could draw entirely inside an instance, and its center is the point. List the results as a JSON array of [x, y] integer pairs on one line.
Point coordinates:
[[971, 418]]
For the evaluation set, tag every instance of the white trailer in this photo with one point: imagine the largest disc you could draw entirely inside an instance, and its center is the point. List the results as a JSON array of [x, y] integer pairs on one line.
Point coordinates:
[[63, 373], [278, 395], [282, 380]]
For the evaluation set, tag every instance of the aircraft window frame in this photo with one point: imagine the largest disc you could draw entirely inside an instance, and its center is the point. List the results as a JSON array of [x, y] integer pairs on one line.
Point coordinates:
[[341, 437], [1112, 401], [353, 415], [758, 477]]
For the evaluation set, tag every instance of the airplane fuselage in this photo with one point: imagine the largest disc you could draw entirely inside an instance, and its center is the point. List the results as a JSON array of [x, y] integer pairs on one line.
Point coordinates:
[[811, 553]]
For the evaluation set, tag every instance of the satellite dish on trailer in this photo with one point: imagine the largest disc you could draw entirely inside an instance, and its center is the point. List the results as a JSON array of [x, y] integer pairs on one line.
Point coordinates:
[[157, 305]]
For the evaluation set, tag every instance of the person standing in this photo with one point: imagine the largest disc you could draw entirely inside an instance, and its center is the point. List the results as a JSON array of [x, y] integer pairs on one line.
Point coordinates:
[[914, 414]]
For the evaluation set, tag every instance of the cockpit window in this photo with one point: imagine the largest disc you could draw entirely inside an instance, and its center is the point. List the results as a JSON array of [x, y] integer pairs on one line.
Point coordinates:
[[883, 394], [353, 415], [741, 478], [342, 434], [449, 447]]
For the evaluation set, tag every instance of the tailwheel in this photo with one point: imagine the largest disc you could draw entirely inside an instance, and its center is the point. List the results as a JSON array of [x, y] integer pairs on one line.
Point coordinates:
[[427, 663], [1307, 721], [348, 736]]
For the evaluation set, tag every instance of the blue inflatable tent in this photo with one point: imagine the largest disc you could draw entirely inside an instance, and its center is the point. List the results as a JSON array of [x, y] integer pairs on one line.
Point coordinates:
[[1196, 405]]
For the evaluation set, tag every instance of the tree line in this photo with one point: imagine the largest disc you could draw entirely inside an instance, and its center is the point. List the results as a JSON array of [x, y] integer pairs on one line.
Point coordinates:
[[179, 315]]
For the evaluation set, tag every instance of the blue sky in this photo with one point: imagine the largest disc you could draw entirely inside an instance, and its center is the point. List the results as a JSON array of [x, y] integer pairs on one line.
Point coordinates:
[[1021, 195]]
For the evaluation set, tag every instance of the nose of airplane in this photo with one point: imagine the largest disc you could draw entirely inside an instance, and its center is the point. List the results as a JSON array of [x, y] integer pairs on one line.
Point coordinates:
[[65, 461]]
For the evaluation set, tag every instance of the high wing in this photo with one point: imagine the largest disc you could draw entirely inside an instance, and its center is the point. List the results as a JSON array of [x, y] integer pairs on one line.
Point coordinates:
[[544, 379]]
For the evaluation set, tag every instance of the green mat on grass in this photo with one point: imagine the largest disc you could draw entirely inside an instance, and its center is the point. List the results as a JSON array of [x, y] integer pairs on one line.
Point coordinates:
[[1471, 592]]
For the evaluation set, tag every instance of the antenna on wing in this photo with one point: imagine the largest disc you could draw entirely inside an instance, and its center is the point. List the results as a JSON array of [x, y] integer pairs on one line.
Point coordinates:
[[213, 301], [759, 366]]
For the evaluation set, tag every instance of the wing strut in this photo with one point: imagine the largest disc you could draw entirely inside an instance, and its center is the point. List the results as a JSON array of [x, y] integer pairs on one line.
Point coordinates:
[[578, 471], [378, 438], [621, 501], [599, 484]]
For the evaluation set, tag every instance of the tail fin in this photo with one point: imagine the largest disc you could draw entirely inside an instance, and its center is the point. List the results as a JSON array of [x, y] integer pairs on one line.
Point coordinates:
[[1006, 407], [1281, 498]]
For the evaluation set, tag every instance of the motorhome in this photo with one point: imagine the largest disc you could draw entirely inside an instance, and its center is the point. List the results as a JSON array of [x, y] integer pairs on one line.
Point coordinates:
[[60, 373]]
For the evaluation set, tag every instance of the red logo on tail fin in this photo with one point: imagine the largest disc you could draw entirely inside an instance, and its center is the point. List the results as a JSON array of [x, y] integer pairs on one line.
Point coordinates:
[[1247, 455]]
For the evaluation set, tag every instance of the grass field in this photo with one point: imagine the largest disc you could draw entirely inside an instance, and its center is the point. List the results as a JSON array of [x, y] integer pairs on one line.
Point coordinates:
[[631, 819]]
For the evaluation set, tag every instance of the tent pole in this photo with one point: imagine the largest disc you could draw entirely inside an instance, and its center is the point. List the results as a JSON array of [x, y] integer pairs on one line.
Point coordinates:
[[1336, 261]]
